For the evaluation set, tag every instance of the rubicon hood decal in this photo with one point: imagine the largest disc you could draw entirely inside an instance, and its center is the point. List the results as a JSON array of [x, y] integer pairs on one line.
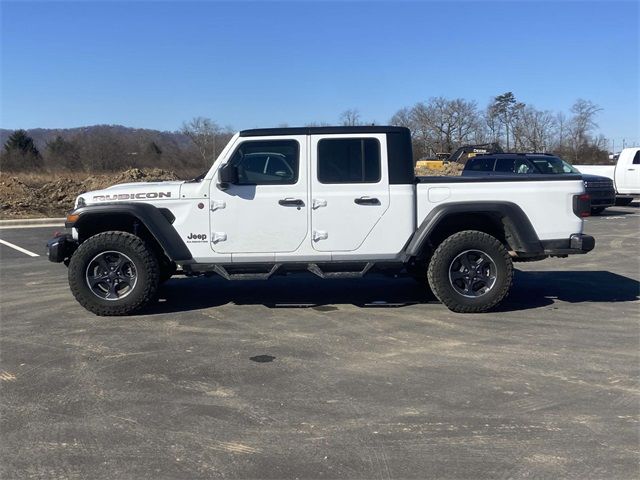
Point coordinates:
[[136, 191], [130, 196]]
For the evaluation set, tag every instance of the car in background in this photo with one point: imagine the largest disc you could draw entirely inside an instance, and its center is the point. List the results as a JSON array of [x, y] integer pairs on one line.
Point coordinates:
[[600, 189]]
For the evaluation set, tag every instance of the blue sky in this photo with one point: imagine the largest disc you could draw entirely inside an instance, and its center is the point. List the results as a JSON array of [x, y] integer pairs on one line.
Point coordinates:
[[244, 64]]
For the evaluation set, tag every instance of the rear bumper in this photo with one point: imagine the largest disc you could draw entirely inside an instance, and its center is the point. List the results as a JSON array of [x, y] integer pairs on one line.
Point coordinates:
[[576, 243], [61, 247]]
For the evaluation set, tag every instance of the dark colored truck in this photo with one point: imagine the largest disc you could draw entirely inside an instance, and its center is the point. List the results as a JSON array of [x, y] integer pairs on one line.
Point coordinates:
[[601, 190]]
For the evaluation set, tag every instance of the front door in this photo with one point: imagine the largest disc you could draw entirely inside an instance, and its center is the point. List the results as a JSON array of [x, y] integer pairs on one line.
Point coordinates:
[[266, 211], [349, 189]]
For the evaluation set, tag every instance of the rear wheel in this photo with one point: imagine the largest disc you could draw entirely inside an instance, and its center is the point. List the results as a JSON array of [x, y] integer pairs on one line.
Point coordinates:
[[113, 273], [470, 272]]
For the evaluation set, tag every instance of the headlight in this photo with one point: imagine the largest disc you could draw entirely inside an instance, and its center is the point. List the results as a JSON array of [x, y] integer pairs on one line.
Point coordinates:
[[80, 202]]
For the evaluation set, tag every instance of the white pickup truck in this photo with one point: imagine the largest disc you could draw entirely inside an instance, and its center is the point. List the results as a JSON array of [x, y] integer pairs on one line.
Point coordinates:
[[625, 174], [334, 201]]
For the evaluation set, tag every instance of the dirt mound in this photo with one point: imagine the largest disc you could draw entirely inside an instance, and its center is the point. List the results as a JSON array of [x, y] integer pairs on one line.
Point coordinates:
[[14, 195], [39, 195], [449, 170]]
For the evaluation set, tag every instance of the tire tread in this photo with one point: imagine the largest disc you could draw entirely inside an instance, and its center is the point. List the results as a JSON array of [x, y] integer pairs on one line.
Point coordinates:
[[113, 240], [440, 286]]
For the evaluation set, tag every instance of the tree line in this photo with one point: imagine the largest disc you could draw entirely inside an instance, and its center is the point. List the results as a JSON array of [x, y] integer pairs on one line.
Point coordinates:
[[438, 125], [441, 125]]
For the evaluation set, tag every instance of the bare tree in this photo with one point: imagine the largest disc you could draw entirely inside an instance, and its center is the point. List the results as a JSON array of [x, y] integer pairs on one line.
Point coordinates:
[[583, 120], [441, 125], [350, 118], [534, 129], [202, 132]]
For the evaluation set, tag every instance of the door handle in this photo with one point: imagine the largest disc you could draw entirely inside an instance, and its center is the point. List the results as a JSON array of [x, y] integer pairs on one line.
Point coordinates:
[[291, 202], [367, 201]]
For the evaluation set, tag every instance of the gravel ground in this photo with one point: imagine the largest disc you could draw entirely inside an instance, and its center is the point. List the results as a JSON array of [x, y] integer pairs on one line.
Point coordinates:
[[303, 378]]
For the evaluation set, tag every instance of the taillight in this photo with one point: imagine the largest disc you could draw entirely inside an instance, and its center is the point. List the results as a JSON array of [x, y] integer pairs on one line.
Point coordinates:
[[582, 205]]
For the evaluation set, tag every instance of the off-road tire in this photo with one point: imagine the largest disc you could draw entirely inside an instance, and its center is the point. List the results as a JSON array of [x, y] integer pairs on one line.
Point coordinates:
[[448, 250], [597, 210], [146, 265]]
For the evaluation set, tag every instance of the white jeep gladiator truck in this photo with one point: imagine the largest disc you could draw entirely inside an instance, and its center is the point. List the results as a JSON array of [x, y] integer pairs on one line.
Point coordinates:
[[334, 201], [625, 174]]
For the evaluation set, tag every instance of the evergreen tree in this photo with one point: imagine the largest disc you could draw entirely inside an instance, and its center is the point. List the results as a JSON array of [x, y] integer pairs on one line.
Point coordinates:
[[20, 142], [20, 153]]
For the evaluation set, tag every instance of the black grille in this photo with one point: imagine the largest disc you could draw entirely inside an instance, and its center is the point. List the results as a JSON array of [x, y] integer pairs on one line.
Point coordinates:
[[593, 184]]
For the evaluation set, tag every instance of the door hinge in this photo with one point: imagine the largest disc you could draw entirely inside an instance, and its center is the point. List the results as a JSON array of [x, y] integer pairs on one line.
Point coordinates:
[[217, 205], [320, 235], [218, 237], [317, 203]]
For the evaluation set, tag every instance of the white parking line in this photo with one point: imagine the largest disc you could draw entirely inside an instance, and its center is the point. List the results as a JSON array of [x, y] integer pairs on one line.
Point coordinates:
[[42, 225], [20, 249]]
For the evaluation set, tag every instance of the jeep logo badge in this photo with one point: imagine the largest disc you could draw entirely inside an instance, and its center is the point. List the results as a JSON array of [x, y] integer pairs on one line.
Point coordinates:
[[197, 237]]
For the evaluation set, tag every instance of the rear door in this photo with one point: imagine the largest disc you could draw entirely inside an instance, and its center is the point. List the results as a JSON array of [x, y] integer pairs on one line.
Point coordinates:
[[349, 189]]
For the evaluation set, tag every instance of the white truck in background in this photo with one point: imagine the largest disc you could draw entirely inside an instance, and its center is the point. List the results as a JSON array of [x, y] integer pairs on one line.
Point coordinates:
[[625, 174]]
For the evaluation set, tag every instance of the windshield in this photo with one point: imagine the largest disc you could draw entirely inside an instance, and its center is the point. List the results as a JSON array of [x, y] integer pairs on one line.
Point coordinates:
[[551, 165]]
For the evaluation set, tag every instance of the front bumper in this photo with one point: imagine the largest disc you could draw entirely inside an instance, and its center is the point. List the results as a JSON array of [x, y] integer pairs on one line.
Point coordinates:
[[61, 247], [602, 198], [576, 243]]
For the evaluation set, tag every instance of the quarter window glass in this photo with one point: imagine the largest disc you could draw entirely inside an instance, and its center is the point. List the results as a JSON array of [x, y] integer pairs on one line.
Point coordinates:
[[272, 162], [349, 160]]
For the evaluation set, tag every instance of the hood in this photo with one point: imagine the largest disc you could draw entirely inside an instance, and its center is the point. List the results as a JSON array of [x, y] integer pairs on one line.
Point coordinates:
[[140, 191], [594, 178]]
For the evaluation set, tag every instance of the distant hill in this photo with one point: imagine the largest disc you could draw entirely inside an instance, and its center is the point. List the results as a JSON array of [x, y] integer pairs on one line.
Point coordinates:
[[41, 136]]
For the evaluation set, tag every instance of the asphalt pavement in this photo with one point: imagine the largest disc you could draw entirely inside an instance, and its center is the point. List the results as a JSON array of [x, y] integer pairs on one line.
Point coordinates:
[[299, 377]]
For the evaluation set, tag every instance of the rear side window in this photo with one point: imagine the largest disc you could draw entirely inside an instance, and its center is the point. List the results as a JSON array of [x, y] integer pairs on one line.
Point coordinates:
[[481, 164], [349, 160], [505, 165]]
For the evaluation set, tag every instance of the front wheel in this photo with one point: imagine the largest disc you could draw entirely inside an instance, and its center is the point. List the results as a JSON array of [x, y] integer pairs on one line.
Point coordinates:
[[470, 272], [114, 273]]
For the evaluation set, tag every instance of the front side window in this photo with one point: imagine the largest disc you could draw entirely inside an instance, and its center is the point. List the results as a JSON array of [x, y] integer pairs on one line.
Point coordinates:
[[268, 162], [553, 165], [349, 160], [636, 158]]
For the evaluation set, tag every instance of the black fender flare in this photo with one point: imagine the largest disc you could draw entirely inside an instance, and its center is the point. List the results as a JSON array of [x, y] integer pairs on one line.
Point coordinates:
[[523, 237], [153, 218]]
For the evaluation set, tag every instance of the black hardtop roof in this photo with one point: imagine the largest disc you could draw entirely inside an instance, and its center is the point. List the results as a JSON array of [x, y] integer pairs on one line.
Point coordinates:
[[266, 132]]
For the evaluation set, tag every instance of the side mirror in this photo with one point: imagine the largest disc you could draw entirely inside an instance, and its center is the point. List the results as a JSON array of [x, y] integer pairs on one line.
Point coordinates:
[[227, 174]]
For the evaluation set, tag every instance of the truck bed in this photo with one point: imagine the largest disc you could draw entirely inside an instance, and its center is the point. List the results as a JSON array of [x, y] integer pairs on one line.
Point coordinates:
[[547, 200]]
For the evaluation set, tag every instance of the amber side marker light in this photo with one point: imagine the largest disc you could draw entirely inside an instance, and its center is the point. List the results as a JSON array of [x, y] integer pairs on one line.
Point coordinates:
[[72, 217]]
